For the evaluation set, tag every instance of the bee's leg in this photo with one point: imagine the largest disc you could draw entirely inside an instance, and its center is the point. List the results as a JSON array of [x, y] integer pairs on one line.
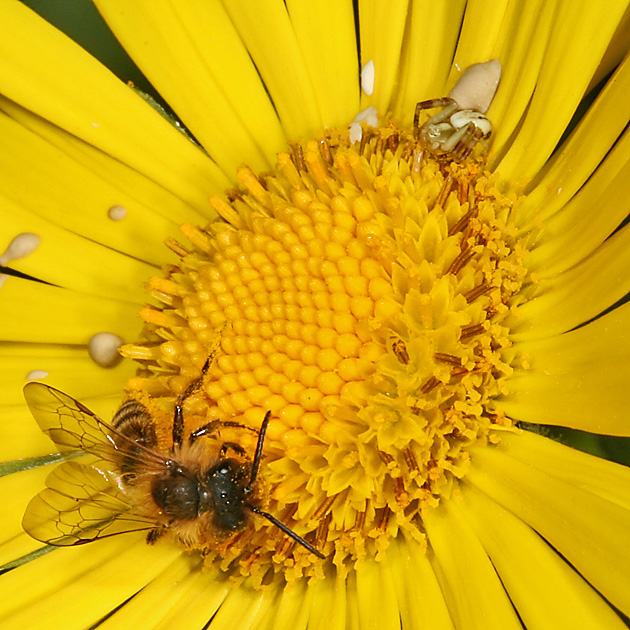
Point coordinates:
[[155, 534], [178, 413], [258, 455], [211, 427], [231, 445]]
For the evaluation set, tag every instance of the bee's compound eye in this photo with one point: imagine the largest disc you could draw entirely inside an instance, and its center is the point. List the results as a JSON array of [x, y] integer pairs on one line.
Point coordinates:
[[177, 497]]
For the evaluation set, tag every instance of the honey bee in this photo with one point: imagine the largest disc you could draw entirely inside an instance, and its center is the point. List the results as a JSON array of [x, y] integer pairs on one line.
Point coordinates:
[[123, 482]]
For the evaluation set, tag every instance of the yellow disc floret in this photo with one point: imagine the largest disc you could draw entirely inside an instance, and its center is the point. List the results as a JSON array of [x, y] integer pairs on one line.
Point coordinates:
[[357, 292]]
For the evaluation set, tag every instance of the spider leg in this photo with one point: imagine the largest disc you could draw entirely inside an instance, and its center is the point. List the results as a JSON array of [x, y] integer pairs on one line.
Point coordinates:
[[467, 143], [456, 137], [450, 107]]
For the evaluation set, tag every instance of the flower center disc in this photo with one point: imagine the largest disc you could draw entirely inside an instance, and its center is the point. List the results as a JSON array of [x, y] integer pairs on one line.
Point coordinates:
[[358, 292]]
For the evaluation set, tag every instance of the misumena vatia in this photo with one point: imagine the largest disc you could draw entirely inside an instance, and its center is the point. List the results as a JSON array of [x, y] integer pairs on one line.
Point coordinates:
[[452, 131], [456, 129]]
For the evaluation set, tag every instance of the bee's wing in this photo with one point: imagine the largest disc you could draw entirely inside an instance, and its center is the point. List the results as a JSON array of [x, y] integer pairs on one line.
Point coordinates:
[[80, 504], [73, 427], [66, 421], [84, 498]]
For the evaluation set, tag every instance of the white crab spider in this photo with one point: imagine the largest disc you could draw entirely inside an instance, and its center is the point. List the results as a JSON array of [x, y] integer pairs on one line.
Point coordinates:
[[462, 122]]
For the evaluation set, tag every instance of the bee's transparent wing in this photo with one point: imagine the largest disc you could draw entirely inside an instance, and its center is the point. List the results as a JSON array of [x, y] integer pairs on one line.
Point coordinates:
[[73, 427], [83, 500], [80, 504], [68, 423]]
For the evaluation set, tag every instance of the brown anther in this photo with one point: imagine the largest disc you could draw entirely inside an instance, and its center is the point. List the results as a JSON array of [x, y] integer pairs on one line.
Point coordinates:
[[176, 246], [463, 222], [464, 258], [410, 460], [462, 371], [451, 359], [402, 497], [359, 522], [478, 291], [416, 159], [366, 137], [386, 458], [323, 509], [383, 519], [400, 350], [284, 547], [445, 191], [393, 141], [298, 157], [432, 383], [471, 331], [321, 533], [462, 191], [324, 149]]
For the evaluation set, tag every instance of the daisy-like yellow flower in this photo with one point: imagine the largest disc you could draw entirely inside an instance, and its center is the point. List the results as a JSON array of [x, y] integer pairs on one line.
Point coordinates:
[[398, 309]]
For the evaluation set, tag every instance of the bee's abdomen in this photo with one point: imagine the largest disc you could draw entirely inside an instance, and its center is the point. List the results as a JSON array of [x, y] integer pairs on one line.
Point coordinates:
[[135, 423], [136, 432]]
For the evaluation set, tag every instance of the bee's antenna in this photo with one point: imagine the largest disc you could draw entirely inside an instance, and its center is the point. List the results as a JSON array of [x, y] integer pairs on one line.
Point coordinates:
[[258, 454], [287, 531], [250, 485]]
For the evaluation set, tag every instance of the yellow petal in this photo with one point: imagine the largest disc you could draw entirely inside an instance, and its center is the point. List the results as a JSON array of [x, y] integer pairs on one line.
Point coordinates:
[[203, 595], [420, 598], [268, 35], [327, 602], [241, 608], [105, 178], [382, 27], [52, 76], [42, 313], [378, 607], [578, 41], [163, 596], [546, 591], [326, 36], [474, 594], [20, 549], [588, 219], [192, 54], [577, 380], [520, 47], [569, 169], [427, 51], [606, 479], [17, 490], [21, 437], [88, 577], [480, 30], [579, 294], [590, 532], [68, 368], [65, 259]]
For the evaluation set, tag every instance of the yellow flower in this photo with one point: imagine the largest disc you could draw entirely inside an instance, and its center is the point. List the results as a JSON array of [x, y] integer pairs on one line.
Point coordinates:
[[400, 315]]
